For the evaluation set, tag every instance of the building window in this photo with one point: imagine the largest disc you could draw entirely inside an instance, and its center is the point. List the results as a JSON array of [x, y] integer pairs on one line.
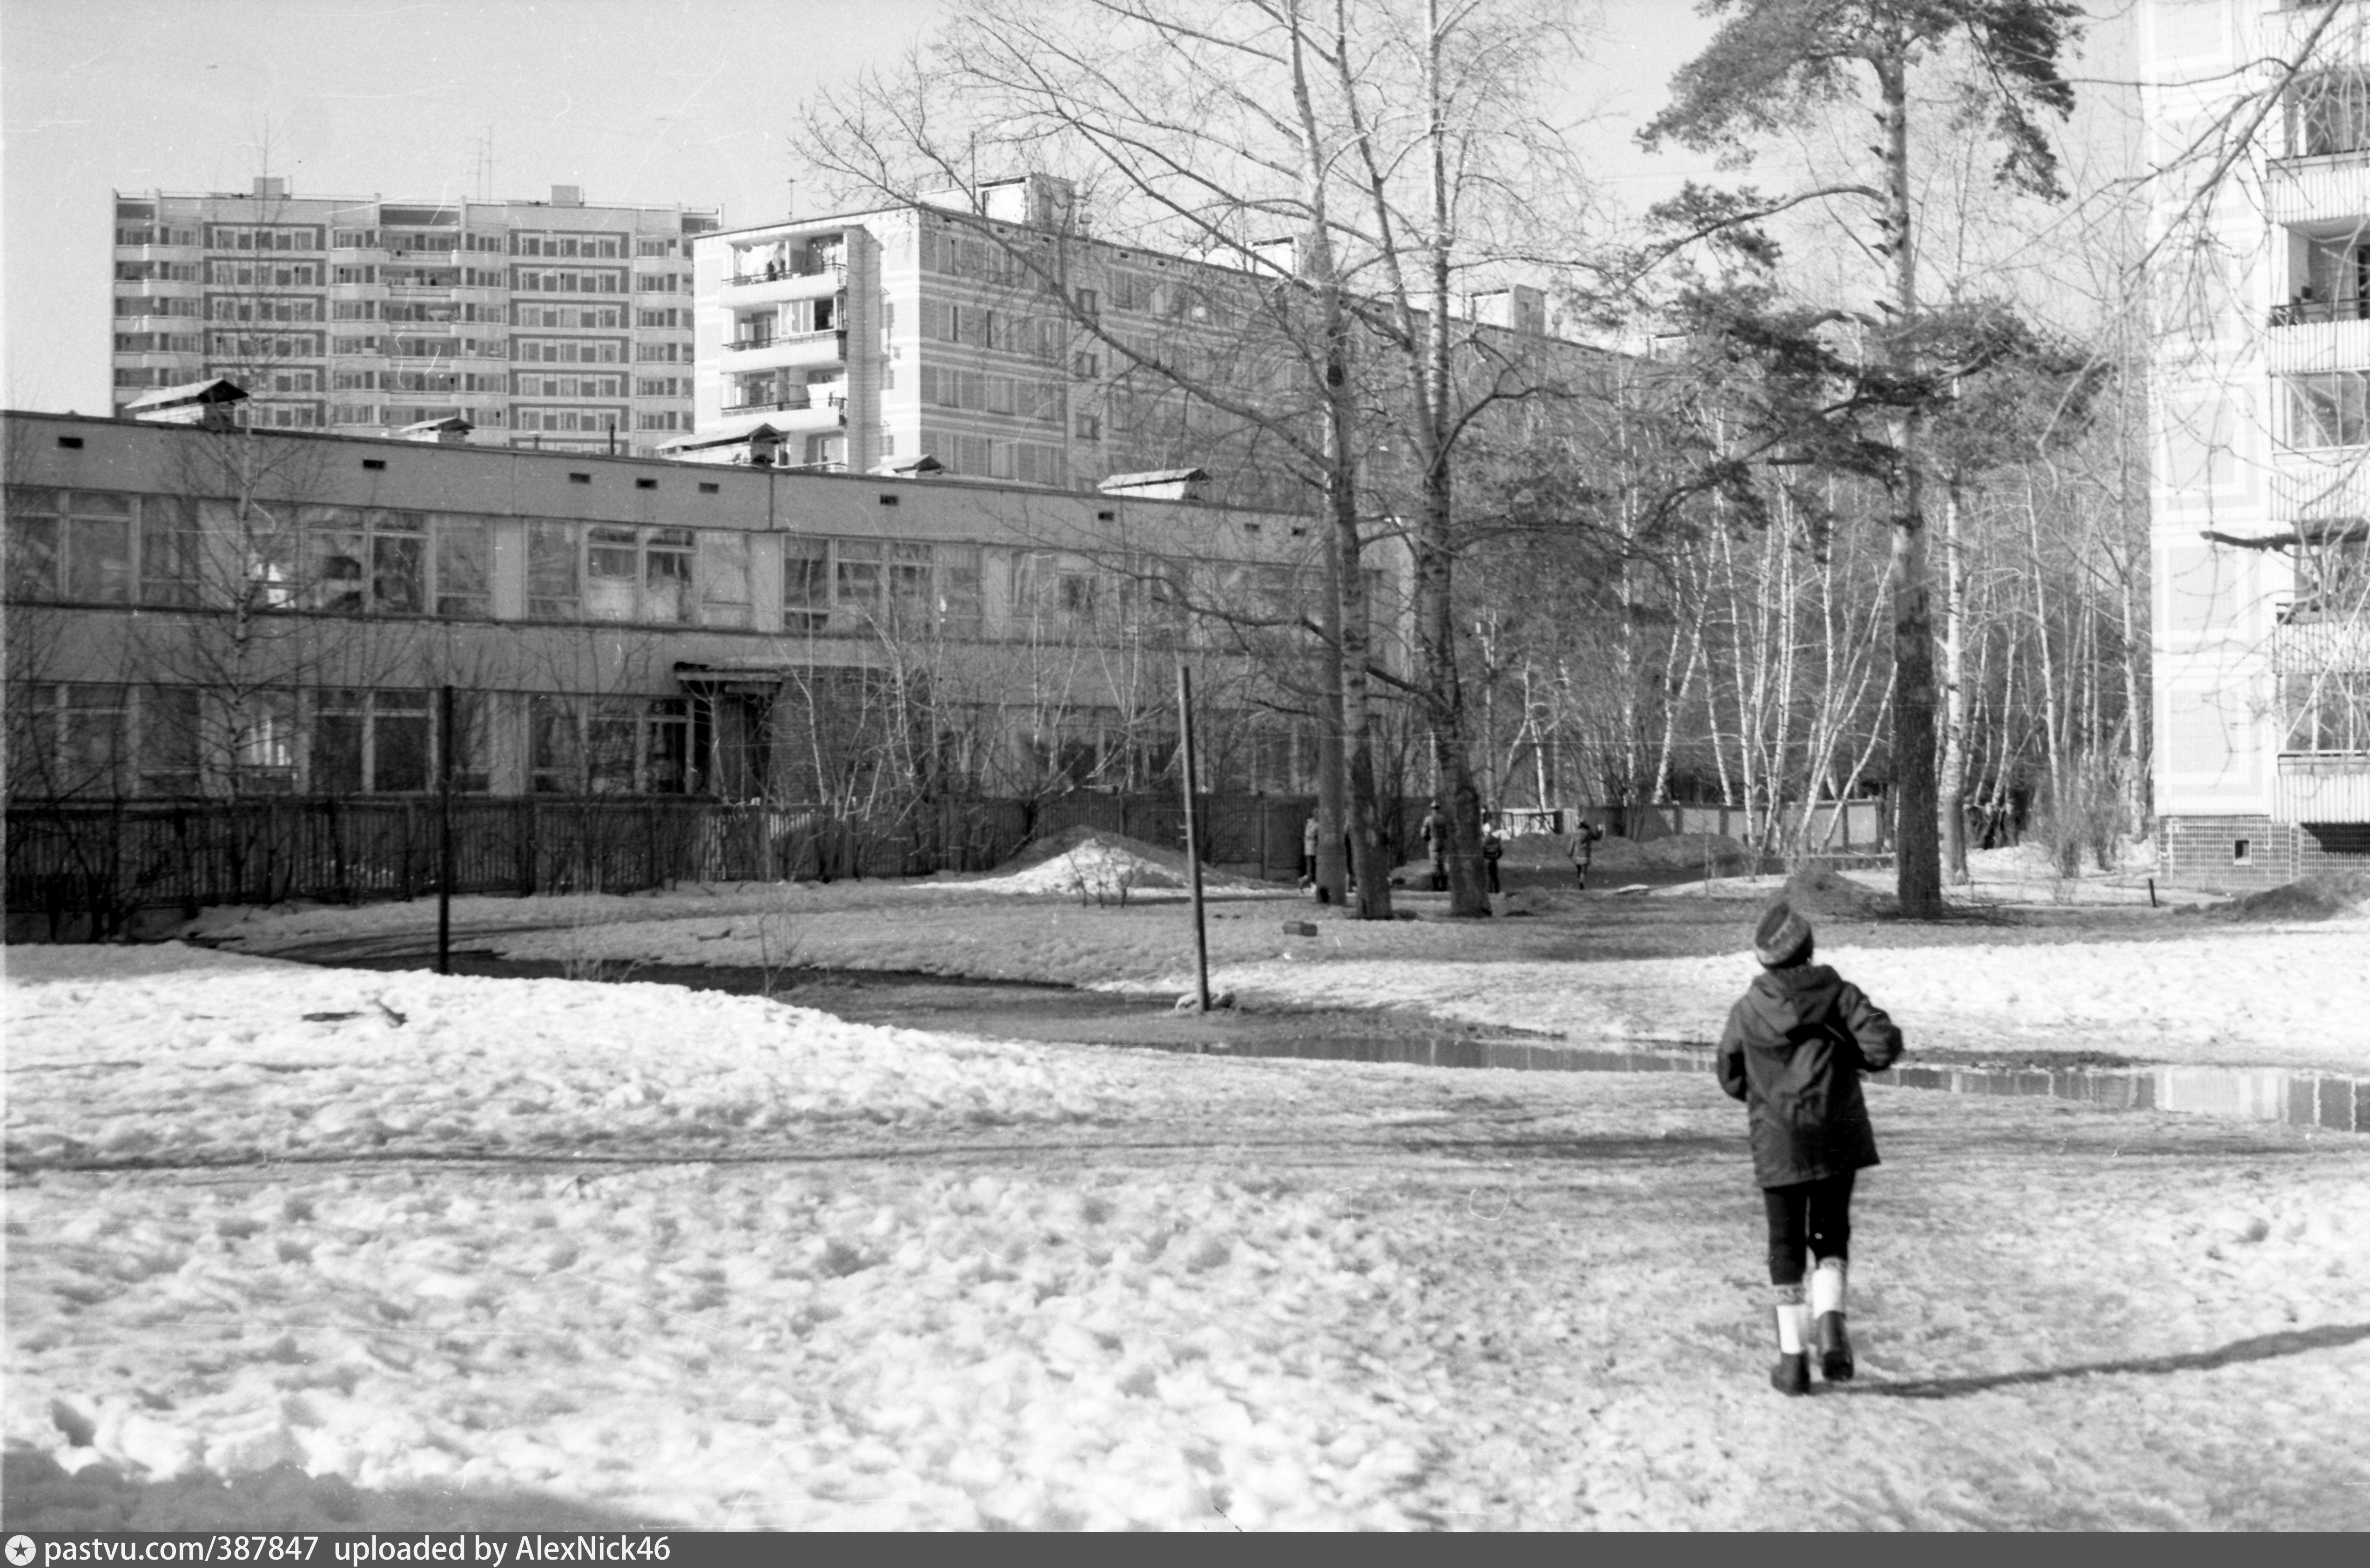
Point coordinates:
[[172, 552], [638, 574], [2242, 852], [609, 746], [262, 743], [68, 740], [70, 546], [552, 571], [2329, 112], [2328, 712], [169, 741], [2331, 409], [365, 563], [464, 567], [371, 743], [806, 584], [723, 578], [855, 582]]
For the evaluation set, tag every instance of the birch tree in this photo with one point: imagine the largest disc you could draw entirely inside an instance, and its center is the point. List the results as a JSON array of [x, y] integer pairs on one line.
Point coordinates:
[[1773, 61]]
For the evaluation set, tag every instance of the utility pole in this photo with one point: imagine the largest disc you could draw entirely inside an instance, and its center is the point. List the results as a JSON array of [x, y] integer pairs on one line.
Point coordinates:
[[1193, 839], [444, 830]]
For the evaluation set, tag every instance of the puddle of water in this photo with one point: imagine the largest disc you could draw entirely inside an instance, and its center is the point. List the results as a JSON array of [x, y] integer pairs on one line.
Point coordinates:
[[2300, 1098], [2330, 1101]]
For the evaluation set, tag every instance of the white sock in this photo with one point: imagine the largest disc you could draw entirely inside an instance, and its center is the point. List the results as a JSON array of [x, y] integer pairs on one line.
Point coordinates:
[[1789, 1328], [1828, 1287]]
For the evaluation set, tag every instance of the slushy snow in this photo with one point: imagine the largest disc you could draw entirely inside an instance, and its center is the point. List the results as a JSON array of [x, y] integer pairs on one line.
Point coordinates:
[[416, 1249]]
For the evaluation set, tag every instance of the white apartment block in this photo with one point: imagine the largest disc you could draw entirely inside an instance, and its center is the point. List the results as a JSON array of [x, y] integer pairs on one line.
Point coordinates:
[[942, 330], [558, 324], [2261, 404]]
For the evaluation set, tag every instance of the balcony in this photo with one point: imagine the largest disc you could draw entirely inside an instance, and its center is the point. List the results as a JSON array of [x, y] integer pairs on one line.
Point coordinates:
[[2324, 187], [2317, 334], [2321, 787], [2320, 486], [819, 407], [777, 287], [791, 351], [2303, 646]]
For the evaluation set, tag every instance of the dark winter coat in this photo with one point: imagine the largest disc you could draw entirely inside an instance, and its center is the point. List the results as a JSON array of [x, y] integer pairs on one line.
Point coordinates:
[[1794, 1048]]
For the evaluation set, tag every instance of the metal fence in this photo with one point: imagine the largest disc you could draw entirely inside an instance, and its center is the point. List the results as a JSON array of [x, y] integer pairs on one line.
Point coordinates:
[[87, 870]]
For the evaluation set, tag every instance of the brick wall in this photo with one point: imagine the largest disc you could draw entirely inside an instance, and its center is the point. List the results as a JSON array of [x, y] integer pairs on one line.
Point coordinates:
[[2196, 851]]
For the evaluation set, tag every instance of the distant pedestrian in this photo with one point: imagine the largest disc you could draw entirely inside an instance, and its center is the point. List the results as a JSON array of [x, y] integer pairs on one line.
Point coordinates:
[[1435, 840], [1794, 1051], [1309, 852], [1493, 848], [1581, 849]]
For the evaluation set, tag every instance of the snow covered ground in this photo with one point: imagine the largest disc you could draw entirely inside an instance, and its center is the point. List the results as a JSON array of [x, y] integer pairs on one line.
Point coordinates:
[[2148, 984], [409, 1250]]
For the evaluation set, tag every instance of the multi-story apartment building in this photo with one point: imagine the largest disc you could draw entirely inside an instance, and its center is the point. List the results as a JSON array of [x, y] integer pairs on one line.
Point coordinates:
[[558, 323], [207, 610], [2260, 494], [955, 330]]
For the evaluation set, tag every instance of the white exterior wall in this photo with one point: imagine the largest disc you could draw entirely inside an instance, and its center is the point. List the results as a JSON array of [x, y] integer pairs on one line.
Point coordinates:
[[2223, 465]]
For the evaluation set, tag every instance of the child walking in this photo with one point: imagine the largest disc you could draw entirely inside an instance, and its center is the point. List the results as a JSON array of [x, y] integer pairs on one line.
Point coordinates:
[[1795, 1045]]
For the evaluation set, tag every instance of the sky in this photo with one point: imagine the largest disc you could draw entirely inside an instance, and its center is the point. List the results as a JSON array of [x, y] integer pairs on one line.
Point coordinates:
[[652, 102]]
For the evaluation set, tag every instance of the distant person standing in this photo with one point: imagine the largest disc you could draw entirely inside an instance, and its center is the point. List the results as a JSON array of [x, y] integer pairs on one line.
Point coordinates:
[[1493, 848], [1309, 852], [1794, 1051], [1581, 849], [1435, 840]]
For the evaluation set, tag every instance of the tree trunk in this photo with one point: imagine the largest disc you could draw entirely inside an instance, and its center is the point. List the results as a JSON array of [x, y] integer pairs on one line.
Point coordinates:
[[1916, 845], [1344, 546], [1469, 890], [1952, 788]]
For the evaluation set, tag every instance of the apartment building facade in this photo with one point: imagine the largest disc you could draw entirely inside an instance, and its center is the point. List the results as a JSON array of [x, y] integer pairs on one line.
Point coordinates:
[[560, 323], [2261, 495], [987, 334], [197, 612]]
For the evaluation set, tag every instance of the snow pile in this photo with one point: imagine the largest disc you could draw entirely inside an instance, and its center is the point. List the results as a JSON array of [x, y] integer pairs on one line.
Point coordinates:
[[1091, 870], [212, 1059], [1103, 869]]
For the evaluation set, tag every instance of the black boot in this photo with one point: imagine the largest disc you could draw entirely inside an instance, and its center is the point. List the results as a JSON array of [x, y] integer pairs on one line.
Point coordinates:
[[1792, 1373], [1827, 1336], [1834, 1348]]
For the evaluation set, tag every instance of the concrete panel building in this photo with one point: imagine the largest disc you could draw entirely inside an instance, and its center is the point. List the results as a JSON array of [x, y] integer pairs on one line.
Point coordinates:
[[559, 323], [988, 333], [2261, 283]]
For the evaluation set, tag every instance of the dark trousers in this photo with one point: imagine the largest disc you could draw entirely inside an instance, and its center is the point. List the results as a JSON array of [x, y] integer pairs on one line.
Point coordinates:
[[1492, 865], [1812, 1216]]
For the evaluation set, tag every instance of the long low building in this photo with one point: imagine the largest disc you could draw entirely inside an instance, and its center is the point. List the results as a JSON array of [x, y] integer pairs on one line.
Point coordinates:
[[204, 610]]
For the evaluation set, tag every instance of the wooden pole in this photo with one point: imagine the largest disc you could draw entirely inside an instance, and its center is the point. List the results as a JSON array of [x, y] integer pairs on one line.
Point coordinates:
[[1192, 839], [444, 831]]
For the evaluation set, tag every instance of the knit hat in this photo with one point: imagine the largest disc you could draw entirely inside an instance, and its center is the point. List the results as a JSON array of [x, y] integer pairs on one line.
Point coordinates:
[[1783, 938]]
